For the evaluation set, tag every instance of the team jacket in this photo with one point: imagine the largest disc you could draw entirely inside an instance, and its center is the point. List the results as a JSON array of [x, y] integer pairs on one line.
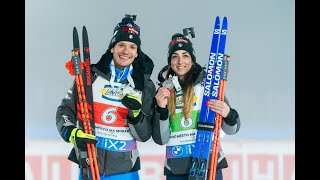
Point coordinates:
[[179, 134], [116, 133]]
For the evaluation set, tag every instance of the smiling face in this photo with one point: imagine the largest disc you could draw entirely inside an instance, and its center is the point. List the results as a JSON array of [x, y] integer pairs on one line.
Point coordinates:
[[124, 53], [181, 63]]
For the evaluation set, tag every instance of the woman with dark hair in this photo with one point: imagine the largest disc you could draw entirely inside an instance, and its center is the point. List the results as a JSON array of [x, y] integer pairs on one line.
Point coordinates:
[[177, 110]]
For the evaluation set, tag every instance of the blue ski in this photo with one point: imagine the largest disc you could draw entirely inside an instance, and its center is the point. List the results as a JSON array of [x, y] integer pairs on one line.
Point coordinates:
[[200, 159]]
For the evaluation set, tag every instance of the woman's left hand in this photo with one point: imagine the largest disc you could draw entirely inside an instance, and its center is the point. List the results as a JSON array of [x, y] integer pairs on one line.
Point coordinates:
[[219, 107]]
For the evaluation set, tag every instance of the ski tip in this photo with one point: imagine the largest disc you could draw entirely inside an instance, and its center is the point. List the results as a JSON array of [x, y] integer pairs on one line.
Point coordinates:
[[75, 32], [225, 19], [217, 20], [84, 28]]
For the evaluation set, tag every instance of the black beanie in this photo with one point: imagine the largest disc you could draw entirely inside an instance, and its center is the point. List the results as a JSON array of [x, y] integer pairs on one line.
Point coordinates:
[[126, 30], [180, 42]]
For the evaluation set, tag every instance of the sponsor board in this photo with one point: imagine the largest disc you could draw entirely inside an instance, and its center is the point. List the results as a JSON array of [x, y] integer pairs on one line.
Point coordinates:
[[247, 159]]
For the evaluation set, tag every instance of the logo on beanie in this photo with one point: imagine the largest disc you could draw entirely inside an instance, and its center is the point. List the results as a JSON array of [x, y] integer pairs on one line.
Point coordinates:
[[178, 39], [180, 45], [129, 28], [130, 36]]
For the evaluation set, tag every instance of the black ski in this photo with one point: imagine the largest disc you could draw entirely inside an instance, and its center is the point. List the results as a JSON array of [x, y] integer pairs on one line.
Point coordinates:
[[82, 71]]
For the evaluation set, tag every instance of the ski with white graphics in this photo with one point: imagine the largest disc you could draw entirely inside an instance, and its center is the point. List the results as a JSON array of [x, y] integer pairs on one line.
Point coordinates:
[[206, 123]]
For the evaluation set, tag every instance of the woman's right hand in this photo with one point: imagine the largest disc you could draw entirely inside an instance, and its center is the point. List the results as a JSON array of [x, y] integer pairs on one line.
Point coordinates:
[[162, 96]]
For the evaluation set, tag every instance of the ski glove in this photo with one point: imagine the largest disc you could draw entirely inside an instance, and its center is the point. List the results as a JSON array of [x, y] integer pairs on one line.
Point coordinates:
[[80, 139], [133, 103]]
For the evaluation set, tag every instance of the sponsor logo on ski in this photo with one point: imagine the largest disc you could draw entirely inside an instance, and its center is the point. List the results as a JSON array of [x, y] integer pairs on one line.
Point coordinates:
[[87, 62], [205, 126], [224, 32], [217, 76], [209, 74]]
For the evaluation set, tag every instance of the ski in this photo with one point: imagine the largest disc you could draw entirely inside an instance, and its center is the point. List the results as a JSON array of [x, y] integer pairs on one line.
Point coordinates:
[[82, 72], [217, 91], [87, 76], [205, 128], [217, 128], [204, 110], [89, 97]]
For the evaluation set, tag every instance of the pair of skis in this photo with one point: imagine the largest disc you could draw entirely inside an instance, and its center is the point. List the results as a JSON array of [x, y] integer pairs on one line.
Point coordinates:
[[82, 72], [209, 123]]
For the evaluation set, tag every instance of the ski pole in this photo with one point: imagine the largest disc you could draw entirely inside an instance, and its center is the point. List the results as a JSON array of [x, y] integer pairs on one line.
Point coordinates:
[[217, 128], [85, 114]]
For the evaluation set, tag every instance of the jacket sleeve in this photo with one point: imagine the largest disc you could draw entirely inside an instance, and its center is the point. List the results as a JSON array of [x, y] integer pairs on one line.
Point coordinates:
[[65, 116], [141, 129], [231, 124], [161, 126]]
